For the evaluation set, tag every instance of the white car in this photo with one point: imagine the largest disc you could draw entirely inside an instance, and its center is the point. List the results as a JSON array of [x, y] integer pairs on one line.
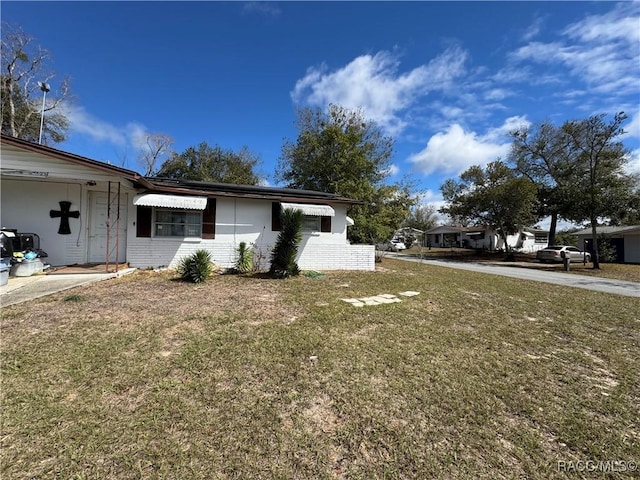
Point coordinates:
[[392, 246], [554, 254]]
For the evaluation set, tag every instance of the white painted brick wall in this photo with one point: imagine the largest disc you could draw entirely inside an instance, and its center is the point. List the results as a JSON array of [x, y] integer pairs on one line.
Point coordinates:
[[155, 253]]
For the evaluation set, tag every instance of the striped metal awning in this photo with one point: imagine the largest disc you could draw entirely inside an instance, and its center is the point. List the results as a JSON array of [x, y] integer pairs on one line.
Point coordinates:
[[170, 201], [310, 209]]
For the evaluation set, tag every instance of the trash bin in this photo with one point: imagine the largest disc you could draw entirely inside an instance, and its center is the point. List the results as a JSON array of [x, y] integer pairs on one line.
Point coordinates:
[[6, 252], [26, 268], [4, 274]]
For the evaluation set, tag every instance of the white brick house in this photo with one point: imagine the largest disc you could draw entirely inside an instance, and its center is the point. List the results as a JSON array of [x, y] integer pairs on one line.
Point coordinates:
[[114, 214]]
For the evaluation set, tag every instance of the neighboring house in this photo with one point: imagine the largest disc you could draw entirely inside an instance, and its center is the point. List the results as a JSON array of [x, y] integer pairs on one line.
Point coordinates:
[[527, 240], [625, 240], [82, 208], [405, 234]]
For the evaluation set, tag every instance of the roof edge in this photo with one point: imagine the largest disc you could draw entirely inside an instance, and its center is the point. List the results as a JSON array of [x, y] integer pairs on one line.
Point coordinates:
[[73, 158]]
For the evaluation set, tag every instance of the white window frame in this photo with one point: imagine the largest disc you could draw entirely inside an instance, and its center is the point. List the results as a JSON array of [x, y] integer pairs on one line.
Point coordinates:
[[162, 225]]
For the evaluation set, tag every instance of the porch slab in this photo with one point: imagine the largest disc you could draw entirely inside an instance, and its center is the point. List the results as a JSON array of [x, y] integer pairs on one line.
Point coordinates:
[[24, 289]]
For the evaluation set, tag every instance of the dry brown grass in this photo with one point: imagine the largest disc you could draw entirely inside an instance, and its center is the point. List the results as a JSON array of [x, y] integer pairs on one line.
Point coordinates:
[[616, 271], [247, 377]]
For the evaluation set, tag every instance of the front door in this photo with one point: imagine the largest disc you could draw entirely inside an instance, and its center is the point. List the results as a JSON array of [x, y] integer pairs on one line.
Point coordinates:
[[98, 238]]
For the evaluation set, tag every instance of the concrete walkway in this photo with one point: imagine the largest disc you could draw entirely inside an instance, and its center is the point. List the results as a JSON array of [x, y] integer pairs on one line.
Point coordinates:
[[607, 285], [23, 289]]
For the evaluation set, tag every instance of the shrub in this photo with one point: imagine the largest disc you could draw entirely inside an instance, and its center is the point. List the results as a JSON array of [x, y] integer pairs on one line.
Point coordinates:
[[244, 263], [606, 251], [196, 267], [74, 298], [285, 251]]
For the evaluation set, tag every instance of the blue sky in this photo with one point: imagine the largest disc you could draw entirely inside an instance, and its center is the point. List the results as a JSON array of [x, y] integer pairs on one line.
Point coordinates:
[[447, 80]]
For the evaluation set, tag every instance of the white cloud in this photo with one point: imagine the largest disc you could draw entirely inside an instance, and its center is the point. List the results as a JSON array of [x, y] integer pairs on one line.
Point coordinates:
[[633, 164], [435, 200], [633, 125], [393, 170], [83, 122], [372, 83], [455, 150], [534, 29], [561, 225], [619, 23], [497, 134], [130, 136], [600, 50], [262, 8]]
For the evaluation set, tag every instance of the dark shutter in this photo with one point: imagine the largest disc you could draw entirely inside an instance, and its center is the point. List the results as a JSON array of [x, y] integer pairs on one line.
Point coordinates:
[[143, 222], [276, 211], [325, 224], [209, 219]]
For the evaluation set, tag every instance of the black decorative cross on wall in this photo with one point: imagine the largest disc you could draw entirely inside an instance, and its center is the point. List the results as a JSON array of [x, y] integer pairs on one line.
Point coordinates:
[[65, 214]]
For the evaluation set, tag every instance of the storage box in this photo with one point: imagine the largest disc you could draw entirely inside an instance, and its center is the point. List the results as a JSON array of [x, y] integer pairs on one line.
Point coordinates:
[[26, 268]]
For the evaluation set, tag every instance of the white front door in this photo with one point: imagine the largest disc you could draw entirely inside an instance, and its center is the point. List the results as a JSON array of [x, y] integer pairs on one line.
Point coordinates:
[[98, 238]]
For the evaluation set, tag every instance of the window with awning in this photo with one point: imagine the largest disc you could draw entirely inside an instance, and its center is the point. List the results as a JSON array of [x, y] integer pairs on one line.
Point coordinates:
[[170, 201], [317, 218], [175, 216], [311, 210]]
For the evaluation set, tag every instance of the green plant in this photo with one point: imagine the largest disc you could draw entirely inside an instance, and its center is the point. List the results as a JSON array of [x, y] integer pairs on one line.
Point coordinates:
[[566, 238], [606, 250], [196, 267], [74, 298], [244, 263], [285, 251]]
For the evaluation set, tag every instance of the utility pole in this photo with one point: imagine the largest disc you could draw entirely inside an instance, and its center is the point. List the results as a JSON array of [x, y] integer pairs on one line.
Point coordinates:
[[45, 88]]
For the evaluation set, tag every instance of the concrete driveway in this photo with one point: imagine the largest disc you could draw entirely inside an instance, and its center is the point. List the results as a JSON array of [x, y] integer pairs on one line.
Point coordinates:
[[23, 289], [607, 285]]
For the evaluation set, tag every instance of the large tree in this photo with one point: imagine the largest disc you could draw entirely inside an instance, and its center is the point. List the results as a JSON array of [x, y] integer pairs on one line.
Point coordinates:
[[544, 155], [494, 196], [422, 217], [601, 185], [213, 164], [339, 151], [24, 78]]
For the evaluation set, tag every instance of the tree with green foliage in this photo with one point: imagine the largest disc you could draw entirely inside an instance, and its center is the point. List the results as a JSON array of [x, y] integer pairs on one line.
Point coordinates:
[[495, 197], [212, 164], [566, 237], [340, 152], [543, 155], [285, 251], [423, 217], [23, 76], [601, 184]]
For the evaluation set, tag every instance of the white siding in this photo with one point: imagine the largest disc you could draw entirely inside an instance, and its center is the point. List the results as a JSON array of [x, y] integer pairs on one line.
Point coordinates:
[[26, 204], [17, 159]]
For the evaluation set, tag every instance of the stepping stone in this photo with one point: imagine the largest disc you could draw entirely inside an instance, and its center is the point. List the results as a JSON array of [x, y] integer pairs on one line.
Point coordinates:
[[387, 299], [350, 300], [409, 293]]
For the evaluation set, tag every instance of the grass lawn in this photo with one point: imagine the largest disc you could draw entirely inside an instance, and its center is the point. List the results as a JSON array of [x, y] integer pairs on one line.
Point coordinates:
[[617, 271], [479, 376]]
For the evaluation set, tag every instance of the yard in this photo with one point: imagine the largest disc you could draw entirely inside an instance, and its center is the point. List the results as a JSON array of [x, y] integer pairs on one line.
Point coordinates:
[[478, 376], [619, 271]]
